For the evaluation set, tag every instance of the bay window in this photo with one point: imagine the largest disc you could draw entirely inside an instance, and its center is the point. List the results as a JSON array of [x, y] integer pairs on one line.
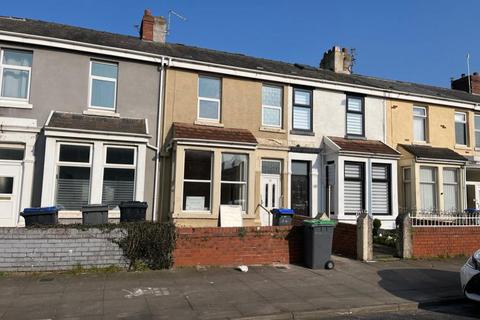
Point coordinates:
[[118, 175], [197, 180], [355, 114], [419, 124], [271, 106], [354, 183], [302, 110], [451, 190], [15, 74], [103, 85], [477, 131], [234, 180], [428, 189], [381, 192], [209, 93], [461, 128]]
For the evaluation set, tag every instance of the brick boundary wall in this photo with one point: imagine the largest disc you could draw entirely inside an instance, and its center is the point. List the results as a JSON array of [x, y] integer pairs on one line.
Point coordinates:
[[23, 249], [236, 246], [444, 241], [345, 240]]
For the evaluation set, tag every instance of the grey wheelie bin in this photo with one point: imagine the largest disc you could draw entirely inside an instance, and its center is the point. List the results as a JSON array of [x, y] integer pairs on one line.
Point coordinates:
[[95, 214], [318, 237]]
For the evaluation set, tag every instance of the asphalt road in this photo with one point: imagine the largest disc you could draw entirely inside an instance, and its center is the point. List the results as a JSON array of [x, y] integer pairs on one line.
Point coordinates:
[[460, 310]]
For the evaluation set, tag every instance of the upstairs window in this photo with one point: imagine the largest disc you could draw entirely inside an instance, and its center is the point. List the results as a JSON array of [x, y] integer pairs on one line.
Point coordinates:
[[419, 124], [355, 113], [271, 106], [302, 109], [461, 128], [477, 131], [209, 98], [15, 75], [103, 85]]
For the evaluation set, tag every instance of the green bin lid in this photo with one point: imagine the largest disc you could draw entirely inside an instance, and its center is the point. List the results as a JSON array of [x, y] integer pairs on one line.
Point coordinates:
[[320, 222]]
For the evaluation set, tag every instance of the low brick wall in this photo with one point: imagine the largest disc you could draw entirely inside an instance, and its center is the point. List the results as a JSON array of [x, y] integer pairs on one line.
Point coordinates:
[[235, 246], [24, 249], [444, 241], [345, 240]]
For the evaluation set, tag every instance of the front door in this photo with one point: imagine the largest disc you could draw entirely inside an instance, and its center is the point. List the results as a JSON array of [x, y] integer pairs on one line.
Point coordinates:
[[300, 187], [270, 193], [10, 175]]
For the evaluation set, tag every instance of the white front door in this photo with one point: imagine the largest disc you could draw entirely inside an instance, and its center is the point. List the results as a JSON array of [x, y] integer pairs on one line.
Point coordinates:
[[271, 194], [10, 184]]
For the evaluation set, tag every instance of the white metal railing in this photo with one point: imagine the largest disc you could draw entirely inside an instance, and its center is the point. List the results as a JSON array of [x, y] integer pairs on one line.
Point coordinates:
[[444, 219]]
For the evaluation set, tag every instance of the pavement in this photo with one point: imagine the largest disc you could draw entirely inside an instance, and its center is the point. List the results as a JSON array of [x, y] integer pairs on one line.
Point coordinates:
[[264, 292]]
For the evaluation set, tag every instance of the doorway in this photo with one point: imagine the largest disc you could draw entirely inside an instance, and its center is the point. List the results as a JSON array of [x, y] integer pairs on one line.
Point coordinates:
[[271, 189], [10, 186], [473, 196], [300, 187]]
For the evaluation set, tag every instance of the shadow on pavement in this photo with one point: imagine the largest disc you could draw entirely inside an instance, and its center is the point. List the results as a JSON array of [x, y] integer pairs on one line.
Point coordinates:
[[434, 290]]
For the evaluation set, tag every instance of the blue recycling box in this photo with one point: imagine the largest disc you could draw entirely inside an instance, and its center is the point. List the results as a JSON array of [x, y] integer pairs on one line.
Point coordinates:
[[40, 216], [282, 216]]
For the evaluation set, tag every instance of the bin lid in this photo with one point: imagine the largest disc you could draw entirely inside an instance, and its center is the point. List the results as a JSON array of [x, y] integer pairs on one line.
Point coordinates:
[[283, 211], [95, 207], [319, 222], [39, 211], [133, 204]]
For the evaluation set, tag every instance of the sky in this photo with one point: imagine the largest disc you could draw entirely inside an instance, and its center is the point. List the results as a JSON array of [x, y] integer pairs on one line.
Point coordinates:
[[423, 41]]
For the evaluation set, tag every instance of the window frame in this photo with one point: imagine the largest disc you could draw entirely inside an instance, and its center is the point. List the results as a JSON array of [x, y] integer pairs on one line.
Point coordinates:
[[475, 129], [21, 68], [280, 108], [425, 123], [361, 179], [457, 188], [347, 111], [210, 181], [465, 128], [388, 180], [271, 160], [435, 185], [219, 100], [310, 106], [92, 77], [247, 178]]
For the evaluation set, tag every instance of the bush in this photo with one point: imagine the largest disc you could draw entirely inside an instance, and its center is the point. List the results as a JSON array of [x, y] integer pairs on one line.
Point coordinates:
[[376, 226]]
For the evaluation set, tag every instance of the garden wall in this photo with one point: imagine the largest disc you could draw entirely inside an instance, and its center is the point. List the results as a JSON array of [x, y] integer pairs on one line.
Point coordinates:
[[444, 241], [345, 240]]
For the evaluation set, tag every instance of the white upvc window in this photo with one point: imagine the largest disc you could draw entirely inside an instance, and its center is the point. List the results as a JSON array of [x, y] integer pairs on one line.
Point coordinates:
[[103, 85], [73, 175], [234, 180], [354, 185], [381, 190], [209, 99], [15, 74], [119, 174], [428, 189], [477, 130], [451, 193], [272, 106], [302, 109], [355, 116], [197, 180], [419, 124], [461, 128]]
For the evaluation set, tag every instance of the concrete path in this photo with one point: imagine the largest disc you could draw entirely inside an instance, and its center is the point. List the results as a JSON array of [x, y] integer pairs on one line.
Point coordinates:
[[220, 293]]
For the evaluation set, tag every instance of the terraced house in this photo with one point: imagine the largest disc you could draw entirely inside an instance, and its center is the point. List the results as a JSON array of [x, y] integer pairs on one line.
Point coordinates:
[[94, 117]]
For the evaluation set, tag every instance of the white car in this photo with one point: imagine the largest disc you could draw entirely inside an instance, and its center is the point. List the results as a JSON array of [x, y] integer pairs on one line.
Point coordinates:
[[470, 277]]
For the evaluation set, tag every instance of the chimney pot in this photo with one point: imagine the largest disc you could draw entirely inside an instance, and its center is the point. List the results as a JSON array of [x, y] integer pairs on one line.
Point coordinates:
[[153, 28]]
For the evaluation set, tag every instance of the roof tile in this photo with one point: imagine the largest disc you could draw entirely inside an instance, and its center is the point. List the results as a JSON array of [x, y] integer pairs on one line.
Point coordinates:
[[201, 132]]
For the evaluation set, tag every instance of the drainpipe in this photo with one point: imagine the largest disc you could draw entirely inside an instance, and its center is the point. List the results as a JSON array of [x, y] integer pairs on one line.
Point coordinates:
[[160, 111]]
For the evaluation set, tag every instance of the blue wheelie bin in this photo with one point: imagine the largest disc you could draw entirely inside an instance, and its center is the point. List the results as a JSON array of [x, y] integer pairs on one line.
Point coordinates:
[[282, 216]]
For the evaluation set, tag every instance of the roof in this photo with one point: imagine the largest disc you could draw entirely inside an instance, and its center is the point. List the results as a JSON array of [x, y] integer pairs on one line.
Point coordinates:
[[65, 32], [211, 133], [374, 147], [428, 152], [77, 121]]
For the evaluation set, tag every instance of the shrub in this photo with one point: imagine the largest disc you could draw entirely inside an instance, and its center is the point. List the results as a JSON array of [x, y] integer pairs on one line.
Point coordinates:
[[376, 226]]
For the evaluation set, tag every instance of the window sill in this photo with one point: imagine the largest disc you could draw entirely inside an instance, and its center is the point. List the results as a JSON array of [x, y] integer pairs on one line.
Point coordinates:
[[462, 147], [302, 133], [355, 137], [208, 123], [15, 104], [272, 129], [421, 143], [103, 113]]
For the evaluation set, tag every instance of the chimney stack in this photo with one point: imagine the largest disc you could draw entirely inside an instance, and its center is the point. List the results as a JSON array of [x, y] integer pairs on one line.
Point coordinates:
[[338, 60], [462, 83], [153, 28]]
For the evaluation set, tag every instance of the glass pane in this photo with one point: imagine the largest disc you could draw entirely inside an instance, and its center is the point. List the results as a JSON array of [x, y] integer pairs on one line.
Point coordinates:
[[355, 104], [15, 83], [302, 97], [17, 58], [271, 116], [234, 194], [355, 123], [73, 187], [300, 168], [209, 88], [196, 196], [104, 70], [380, 198], [419, 111], [379, 172], [460, 133], [450, 195], [477, 139], [407, 174], [120, 156], [427, 175], [11, 154], [103, 93], [353, 197], [450, 175], [301, 118], [272, 96], [419, 129], [118, 186], [459, 117], [198, 165], [428, 197], [208, 109], [6, 185], [477, 122], [353, 170], [74, 153], [270, 167], [234, 167]]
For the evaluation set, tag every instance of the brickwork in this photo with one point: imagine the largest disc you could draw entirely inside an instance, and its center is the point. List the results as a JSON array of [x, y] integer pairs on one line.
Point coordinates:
[[345, 240], [235, 246], [444, 241], [24, 249]]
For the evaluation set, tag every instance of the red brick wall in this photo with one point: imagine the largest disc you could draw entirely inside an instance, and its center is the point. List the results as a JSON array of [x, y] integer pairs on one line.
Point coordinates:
[[345, 240], [449, 241], [235, 246]]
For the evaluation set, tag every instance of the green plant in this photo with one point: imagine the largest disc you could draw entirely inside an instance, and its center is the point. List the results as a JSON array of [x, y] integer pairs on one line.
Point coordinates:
[[376, 226], [242, 232]]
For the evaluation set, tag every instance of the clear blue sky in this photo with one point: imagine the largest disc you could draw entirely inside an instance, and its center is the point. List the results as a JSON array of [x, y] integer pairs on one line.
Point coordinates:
[[420, 41]]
